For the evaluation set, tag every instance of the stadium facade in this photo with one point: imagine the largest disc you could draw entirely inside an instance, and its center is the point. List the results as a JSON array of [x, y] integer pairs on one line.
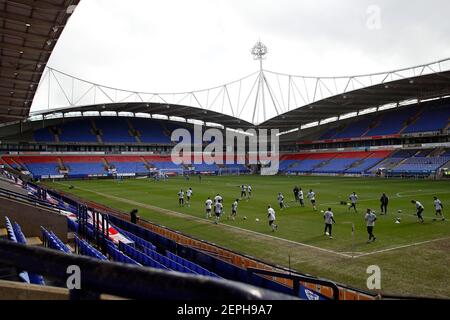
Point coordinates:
[[392, 124]]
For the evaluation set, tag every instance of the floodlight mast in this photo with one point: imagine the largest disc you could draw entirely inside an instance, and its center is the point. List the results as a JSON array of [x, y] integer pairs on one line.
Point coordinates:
[[259, 52]]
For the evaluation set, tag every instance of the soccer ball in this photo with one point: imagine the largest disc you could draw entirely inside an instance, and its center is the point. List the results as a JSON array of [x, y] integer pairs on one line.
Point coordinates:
[[399, 211], [398, 220], [321, 211], [245, 218], [257, 219], [327, 233]]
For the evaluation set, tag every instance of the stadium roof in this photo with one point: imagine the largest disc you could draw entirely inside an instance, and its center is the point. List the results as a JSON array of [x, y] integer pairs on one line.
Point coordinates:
[[264, 99], [29, 30], [169, 110], [420, 88]]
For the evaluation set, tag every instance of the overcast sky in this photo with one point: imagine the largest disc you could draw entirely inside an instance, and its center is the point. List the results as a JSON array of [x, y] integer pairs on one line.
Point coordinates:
[[179, 45]]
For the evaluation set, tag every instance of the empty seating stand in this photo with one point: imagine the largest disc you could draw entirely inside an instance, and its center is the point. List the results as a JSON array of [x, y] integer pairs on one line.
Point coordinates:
[[140, 257], [425, 117], [86, 249], [114, 130], [50, 240], [15, 234], [421, 164], [190, 265], [139, 242], [332, 163], [75, 131], [116, 255], [151, 131], [433, 118]]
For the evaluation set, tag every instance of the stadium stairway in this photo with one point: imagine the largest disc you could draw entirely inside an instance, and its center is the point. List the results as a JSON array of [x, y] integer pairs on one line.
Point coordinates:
[[358, 162], [412, 120], [56, 132], [294, 165], [324, 163], [106, 164], [374, 124], [147, 164], [133, 132], [95, 131], [62, 167]]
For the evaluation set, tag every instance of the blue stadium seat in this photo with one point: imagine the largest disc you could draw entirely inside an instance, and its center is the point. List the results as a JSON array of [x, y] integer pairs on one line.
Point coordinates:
[[43, 135], [53, 242], [15, 234], [77, 131], [432, 119], [86, 249], [151, 131], [129, 167]]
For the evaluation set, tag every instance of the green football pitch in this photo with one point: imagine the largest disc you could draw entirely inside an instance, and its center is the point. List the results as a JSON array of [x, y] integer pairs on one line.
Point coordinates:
[[414, 258]]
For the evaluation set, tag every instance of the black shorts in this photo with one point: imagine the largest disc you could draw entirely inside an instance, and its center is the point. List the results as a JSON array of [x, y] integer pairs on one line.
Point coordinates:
[[218, 214], [419, 212], [370, 229], [271, 222], [313, 201], [233, 212], [208, 210], [188, 198]]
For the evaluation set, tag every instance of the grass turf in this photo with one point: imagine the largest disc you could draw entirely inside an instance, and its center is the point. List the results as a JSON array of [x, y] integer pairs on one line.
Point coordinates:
[[406, 269]]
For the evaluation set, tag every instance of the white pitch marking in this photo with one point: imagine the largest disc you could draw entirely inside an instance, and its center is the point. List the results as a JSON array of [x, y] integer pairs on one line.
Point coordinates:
[[206, 220], [401, 247]]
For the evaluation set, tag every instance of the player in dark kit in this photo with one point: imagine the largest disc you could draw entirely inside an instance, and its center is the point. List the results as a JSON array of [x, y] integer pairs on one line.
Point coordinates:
[[243, 191], [384, 200], [296, 190]]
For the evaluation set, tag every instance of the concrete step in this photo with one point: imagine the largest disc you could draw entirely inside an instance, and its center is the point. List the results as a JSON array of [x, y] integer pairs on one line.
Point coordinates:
[[70, 236], [34, 241]]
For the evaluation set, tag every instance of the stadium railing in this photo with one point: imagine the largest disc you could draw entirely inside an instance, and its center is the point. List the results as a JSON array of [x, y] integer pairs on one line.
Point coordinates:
[[129, 281], [170, 240]]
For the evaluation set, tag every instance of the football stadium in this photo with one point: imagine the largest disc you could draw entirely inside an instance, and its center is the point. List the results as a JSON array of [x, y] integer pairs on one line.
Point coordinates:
[[184, 196]]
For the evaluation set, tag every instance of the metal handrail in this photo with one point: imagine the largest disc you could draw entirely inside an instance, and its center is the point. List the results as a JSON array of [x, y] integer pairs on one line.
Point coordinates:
[[297, 277], [26, 199], [130, 281]]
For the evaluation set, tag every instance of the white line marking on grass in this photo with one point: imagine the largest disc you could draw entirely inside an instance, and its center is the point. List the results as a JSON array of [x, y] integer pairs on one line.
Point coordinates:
[[162, 210], [401, 247], [397, 195]]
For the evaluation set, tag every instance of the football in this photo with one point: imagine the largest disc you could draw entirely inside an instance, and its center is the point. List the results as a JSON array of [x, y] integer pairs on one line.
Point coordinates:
[[257, 219]]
